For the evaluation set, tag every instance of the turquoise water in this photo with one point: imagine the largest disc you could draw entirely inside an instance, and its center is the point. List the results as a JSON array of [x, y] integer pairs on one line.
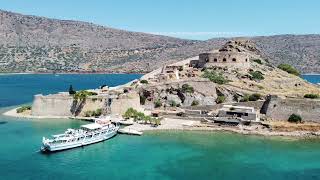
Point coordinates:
[[155, 155]]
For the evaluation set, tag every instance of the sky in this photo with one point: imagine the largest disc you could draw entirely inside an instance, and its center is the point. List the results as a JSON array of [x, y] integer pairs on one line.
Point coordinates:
[[191, 19]]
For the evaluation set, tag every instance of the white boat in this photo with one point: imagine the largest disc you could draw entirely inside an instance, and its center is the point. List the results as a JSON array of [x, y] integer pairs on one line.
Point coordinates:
[[130, 131], [87, 134]]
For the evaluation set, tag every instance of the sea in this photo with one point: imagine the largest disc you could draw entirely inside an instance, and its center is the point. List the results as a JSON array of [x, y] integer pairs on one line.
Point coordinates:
[[160, 155]]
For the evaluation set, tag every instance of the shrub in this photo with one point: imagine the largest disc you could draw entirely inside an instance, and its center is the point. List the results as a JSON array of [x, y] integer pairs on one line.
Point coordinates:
[[214, 77], [254, 97], [71, 91], [195, 103], [295, 118], [97, 112], [82, 95], [256, 75], [257, 61], [173, 103], [245, 98], [186, 88], [130, 113], [289, 69], [311, 96], [220, 99], [144, 81], [23, 108], [157, 103]]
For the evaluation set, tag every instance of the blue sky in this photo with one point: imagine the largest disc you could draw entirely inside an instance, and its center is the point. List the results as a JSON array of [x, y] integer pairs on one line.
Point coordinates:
[[193, 19]]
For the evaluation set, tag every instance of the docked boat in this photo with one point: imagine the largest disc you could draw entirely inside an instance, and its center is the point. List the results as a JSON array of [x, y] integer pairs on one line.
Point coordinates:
[[130, 131], [87, 134]]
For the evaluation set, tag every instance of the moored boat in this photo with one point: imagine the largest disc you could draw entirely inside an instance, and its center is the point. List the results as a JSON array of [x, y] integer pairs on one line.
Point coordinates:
[[87, 134]]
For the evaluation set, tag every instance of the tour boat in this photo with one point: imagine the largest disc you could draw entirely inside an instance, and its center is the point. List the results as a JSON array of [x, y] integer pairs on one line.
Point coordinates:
[[87, 134]]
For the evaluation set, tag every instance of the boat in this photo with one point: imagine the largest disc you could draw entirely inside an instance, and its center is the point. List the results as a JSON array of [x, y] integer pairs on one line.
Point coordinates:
[[130, 131], [87, 134]]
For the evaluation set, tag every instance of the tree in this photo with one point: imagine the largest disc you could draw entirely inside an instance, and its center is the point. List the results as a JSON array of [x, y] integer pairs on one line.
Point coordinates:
[[71, 91], [295, 118]]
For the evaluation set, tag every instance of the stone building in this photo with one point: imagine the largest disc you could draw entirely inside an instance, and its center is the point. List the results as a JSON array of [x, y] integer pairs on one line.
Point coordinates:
[[232, 54]]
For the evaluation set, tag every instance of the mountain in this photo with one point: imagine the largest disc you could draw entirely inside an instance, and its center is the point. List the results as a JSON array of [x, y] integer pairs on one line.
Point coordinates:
[[39, 44]]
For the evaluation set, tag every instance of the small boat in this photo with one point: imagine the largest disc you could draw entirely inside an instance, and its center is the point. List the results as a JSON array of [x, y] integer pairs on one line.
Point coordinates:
[[130, 131], [87, 134], [126, 122]]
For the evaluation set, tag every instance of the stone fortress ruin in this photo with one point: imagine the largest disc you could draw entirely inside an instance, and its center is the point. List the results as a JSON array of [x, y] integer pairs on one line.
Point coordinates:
[[232, 54]]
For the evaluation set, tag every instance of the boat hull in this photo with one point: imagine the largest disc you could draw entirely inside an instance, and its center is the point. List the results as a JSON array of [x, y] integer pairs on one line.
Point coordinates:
[[85, 142]]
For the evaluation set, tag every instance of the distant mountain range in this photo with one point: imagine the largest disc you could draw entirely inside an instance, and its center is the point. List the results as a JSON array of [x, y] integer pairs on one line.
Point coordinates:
[[38, 44]]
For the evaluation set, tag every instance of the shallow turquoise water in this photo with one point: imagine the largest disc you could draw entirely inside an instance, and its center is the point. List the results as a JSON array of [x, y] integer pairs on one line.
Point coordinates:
[[155, 155]]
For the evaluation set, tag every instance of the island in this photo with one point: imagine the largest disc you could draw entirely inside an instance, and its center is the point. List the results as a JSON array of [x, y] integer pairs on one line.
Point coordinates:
[[235, 88]]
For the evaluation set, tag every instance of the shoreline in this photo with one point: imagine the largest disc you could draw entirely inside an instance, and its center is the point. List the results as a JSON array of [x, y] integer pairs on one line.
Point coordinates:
[[65, 73], [170, 124]]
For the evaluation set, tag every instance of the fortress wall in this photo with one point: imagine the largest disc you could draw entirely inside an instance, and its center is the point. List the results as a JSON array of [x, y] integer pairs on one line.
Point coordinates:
[[64, 105], [124, 102], [280, 109], [52, 105]]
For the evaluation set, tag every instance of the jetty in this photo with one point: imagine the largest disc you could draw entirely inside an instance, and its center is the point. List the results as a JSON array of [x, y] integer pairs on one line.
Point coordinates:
[[130, 131]]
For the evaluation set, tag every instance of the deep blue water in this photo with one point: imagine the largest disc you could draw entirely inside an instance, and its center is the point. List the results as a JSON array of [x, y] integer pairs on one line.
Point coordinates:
[[155, 155], [312, 78], [19, 89]]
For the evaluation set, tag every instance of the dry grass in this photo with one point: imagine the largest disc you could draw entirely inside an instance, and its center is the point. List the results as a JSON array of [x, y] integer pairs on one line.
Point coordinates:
[[285, 126]]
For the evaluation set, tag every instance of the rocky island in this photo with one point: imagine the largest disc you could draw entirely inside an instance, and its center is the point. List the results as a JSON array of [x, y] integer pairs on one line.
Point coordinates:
[[233, 88]]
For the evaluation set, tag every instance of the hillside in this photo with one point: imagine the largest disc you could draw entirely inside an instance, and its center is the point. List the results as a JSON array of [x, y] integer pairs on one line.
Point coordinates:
[[38, 44]]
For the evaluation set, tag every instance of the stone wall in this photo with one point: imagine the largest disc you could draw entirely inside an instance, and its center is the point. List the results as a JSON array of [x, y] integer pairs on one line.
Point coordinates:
[[236, 59], [64, 105], [125, 101], [280, 109]]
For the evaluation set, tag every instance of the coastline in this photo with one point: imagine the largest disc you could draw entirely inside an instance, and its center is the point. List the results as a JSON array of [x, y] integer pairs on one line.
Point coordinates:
[[171, 124]]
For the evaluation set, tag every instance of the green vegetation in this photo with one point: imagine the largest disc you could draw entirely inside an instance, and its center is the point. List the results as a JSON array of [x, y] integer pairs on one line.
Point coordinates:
[[289, 69], [311, 96], [173, 103], [95, 113], [214, 77], [232, 108], [252, 97], [23, 108], [220, 99], [257, 61], [142, 99], [82, 95], [294, 118], [157, 103], [186, 88], [144, 81], [195, 103], [140, 116], [256, 75], [71, 91]]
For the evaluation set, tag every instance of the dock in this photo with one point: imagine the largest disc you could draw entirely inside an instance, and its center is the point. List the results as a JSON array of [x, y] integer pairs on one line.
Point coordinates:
[[130, 131]]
